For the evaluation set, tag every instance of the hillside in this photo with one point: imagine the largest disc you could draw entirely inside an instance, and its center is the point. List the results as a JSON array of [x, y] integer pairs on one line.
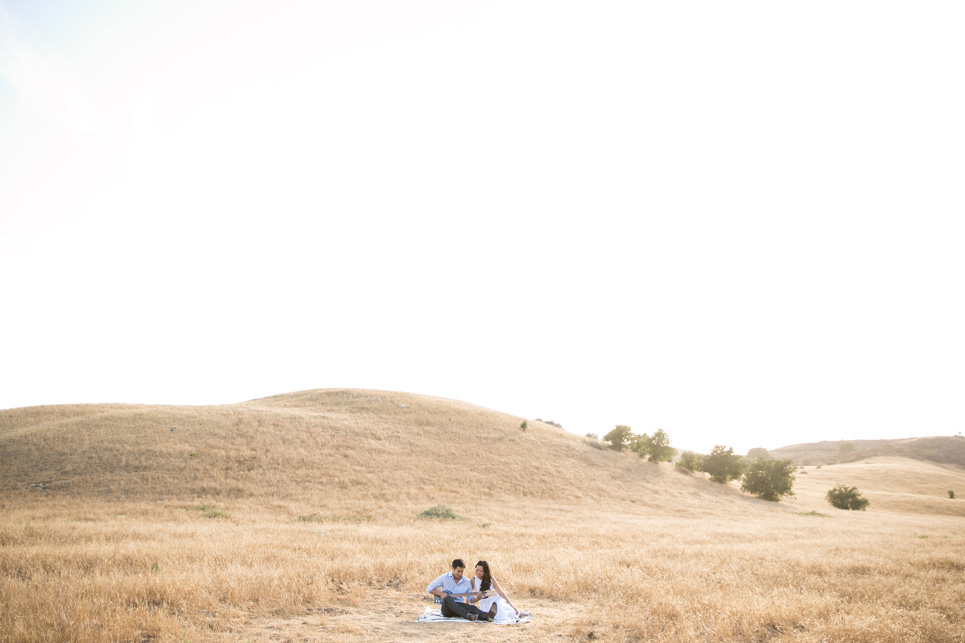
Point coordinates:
[[890, 484], [294, 517], [944, 450], [345, 449]]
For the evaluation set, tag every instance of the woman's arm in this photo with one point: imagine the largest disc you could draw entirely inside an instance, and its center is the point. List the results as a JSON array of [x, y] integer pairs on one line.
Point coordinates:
[[499, 590]]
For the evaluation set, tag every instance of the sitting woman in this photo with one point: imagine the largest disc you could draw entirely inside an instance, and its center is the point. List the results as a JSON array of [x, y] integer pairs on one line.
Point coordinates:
[[484, 582]]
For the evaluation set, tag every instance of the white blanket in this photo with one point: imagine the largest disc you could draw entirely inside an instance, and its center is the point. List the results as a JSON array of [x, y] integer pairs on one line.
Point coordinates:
[[433, 615]]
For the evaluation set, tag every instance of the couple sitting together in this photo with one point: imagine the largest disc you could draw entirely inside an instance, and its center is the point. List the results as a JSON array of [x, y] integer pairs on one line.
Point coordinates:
[[476, 599]]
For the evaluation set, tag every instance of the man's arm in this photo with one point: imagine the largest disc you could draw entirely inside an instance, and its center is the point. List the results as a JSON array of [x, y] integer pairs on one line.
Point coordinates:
[[435, 587]]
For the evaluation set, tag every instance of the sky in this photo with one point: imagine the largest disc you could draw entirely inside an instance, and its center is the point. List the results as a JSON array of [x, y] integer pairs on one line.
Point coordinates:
[[741, 222]]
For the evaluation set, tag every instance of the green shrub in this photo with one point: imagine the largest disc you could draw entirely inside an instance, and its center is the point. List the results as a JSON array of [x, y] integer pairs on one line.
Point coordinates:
[[656, 448], [442, 512], [212, 512], [619, 438], [951, 494], [848, 498], [690, 461], [523, 426], [769, 479], [722, 465]]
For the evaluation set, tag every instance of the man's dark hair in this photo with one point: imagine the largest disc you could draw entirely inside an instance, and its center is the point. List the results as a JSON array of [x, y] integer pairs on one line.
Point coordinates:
[[458, 563]]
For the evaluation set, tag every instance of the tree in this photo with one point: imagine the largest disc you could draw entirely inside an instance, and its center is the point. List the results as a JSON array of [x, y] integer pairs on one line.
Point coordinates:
[[659, 447], [848, 498], [757, 452], [769, 479], [619, 437], [640, 444], [690, 461], [722, 465]]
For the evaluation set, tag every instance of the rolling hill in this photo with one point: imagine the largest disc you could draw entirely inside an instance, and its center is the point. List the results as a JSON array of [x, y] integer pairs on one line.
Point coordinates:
[[371, 453], [944, 450], [296, 517], [351, 448]]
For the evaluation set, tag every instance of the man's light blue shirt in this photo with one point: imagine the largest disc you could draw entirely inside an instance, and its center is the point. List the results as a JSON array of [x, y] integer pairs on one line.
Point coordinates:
[[448, 583]]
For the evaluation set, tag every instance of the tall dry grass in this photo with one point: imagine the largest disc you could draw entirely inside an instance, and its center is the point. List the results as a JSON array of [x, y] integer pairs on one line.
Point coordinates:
[[598, 545]]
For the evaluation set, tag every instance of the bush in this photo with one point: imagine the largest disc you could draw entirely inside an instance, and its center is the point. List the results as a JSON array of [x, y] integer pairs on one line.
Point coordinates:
[[951, 494], [657, 448], [758, 452], [848, 498], [690, 461], [523, 426], [619, 438], [769, 479], [441, 512], [722, 465]]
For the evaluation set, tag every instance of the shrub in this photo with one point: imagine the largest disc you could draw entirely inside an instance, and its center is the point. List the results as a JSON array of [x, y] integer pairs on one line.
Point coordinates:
[[619, 438], [212, 512], [769, 479], [441, 512], [848, 498], [690, 461], [657, 448], [722, 465], [523, 425], [758, 452], [951, 494]]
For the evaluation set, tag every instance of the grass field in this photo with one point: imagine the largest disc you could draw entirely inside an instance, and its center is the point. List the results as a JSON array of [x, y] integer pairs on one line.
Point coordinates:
[[295, 519]]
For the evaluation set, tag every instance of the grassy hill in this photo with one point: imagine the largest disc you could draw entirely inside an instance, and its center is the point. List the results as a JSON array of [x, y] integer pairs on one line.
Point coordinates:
[[295, 517], [944, 450], [346, 449]]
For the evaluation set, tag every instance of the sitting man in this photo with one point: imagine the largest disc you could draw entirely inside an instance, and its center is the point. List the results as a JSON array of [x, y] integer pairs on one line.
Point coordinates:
[[454, 588]]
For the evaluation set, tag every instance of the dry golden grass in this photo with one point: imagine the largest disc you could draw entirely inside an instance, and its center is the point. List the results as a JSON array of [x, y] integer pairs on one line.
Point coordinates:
[[136, 539]]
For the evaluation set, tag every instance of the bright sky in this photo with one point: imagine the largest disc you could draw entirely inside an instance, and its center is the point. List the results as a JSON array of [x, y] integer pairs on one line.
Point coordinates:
[[740, 222]]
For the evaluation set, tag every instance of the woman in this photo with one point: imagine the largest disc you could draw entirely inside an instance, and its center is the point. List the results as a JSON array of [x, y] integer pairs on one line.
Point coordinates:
[[484, 582]]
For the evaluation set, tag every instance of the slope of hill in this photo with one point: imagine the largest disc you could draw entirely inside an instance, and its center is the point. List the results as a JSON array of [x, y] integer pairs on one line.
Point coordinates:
[[340, 448], [945, 450], [900, 485]]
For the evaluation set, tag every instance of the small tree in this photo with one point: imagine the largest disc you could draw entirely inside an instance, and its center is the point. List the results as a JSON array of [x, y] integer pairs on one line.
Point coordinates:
[[690, 461], [640, 444], [659, 447], [848, 498], [757, 452], [722, 465], [769, 479], [619, 437]]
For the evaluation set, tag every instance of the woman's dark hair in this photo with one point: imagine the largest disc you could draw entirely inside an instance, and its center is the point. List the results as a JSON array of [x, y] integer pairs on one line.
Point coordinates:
[[487, 580]]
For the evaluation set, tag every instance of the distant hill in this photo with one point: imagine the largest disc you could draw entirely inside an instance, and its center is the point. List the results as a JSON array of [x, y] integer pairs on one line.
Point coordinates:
[[361, 454], [944, 450], [336, 450]]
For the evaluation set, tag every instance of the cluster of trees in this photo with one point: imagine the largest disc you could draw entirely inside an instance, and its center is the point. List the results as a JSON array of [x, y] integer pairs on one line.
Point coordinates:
[[759, 473], [655, 447], [762, 476]]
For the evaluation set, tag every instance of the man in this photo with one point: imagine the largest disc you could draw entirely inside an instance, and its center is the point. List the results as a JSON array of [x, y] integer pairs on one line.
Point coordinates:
[[455, 582]]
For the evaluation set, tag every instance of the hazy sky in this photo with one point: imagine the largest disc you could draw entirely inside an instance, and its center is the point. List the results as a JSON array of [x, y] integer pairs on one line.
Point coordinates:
[[740, 222]]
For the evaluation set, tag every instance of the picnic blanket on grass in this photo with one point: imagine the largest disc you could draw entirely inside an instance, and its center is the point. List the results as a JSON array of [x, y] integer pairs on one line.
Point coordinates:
[[433, 615]]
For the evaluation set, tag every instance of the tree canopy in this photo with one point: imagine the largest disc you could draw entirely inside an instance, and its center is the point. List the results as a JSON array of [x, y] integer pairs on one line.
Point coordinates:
[[769, 479], [722, 465]]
